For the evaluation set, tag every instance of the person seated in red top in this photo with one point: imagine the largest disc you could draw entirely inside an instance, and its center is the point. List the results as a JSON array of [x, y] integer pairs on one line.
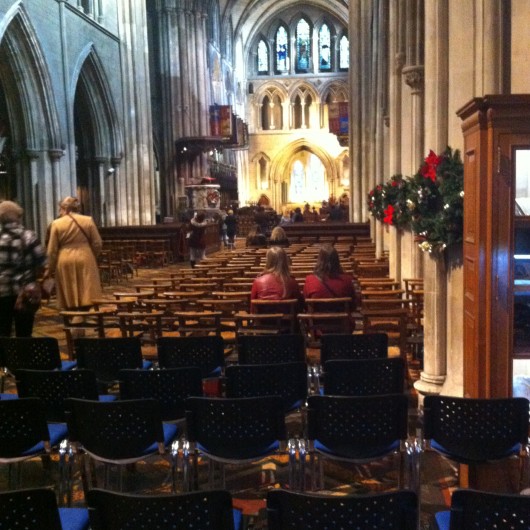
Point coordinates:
[[275, 282], [328, 279]]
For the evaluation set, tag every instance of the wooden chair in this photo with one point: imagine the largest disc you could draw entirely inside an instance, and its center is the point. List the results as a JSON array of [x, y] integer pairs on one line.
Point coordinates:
[[288, 308], [393, 322], [325, 315]]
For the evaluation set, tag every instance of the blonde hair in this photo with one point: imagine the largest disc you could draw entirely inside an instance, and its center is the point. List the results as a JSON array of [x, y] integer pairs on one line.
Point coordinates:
[[70, 204], [277, 263], [278, 234]]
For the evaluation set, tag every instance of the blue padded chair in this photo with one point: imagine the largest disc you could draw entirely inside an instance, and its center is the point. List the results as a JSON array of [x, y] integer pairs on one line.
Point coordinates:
[[192, 511], [364, 377], [34, 353], [473, 430], [52, 388], [234, 430], [288, 380], [36, 509], [268, 349], [170, 387], [107, 356], [480, 510], [118, 432], [358, 346], [356, 429], [206, 353], [287, 510], [24, 433]]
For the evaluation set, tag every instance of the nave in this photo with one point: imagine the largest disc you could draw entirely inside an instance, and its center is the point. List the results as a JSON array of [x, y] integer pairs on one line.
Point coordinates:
[[247, 484]]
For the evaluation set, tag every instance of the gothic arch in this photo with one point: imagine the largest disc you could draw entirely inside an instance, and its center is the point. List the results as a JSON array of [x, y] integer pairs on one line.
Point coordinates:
[[35, 141], [336, 89], [90, 77], [98, 137], [280, 163], [27, 84]]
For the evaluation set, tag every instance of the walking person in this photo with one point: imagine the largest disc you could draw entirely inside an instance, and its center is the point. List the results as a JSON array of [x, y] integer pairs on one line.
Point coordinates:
[[73, 248], [231, 228], [22, 259], [197, 239]]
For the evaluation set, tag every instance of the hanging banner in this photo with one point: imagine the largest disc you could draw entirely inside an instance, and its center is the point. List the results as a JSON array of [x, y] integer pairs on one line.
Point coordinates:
[[333, 118], [221, 121], [344, 126], [338, 118]]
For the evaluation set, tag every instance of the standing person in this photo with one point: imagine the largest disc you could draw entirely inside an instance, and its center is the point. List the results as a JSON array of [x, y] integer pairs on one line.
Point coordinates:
[[275, 282], [74, 246], [197, 239], [328, 279], [22, 258], [231, 228]]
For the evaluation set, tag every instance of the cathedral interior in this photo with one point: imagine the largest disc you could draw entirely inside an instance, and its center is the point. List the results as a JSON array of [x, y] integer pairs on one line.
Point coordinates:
[[280, 103]]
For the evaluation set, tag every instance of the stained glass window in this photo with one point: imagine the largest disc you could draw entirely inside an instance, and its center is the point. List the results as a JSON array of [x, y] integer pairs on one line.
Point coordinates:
[[263, 58], [303, 45], [282, 50], [344, 53], [324, 48]]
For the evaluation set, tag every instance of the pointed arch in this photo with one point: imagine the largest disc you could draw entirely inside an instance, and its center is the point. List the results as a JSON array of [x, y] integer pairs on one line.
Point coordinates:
[[27, 84], [90, 77], [280, 163]]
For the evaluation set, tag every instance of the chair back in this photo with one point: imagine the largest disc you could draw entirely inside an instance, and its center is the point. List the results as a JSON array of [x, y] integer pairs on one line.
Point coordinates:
[[485, 510], [22, 426], [364, 377], [358, 427], [53, 387], [37, 353], [32, 509], [170, 387], [267, 349], [107, 356], [194, 511], [475, 429], [115, 430], [288, 380], [206, 353], [236, 428], [359, 346], [397, 510]]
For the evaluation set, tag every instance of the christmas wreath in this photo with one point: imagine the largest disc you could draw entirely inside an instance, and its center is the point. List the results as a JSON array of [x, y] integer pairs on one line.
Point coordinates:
[[430, 203]]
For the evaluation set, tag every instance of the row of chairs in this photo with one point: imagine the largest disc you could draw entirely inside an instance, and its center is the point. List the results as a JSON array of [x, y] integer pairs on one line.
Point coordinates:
[[286, 510]]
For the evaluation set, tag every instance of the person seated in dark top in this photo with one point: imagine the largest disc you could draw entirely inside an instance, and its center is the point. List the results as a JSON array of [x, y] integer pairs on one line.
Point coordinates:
[[278, 238], [256, 238], [335, 214], [298, 217]]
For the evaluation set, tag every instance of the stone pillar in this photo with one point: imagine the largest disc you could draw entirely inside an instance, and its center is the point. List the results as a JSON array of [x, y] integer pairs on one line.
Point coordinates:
[[434, 267], [96, 186], [185, 67], [202, 48]]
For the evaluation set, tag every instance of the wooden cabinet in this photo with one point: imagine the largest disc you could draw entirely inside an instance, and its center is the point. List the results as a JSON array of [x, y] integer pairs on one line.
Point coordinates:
[[494, 128]]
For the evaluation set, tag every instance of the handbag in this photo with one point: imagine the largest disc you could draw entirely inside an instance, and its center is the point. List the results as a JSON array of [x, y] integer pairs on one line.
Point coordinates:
[[29, 298], [47, 288]]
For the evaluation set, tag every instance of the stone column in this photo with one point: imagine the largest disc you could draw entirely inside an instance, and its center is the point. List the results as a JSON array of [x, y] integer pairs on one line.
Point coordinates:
[[185, 67], [435, 275], [96, 185]]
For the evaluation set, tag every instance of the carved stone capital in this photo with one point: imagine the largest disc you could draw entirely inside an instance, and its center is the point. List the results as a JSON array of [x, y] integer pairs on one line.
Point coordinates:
[[414, 77], [54, 154]]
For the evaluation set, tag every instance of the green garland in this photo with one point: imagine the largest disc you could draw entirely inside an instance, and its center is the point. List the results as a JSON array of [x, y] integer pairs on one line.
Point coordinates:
[[430, 203]]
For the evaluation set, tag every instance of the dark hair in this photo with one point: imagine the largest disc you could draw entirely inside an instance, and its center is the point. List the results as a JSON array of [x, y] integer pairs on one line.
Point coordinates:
[[200, 217], [328, 262]]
